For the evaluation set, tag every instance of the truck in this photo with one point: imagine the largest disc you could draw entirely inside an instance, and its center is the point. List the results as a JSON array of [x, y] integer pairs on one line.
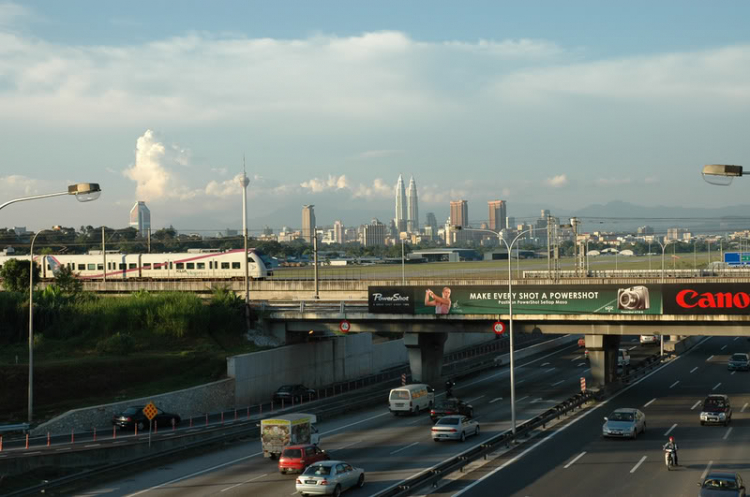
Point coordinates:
[[623, 359], [290, 429]]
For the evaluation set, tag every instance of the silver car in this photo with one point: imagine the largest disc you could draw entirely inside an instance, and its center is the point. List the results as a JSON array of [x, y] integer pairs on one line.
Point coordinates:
[[624, 423], [454, 428], [329, 478]]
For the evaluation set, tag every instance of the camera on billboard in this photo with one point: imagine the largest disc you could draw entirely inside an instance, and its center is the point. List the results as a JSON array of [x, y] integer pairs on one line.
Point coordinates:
[[633, 299]]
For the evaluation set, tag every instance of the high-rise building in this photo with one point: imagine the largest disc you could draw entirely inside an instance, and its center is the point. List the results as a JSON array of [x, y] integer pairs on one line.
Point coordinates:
[[645, 230], [401, 213], [460, 213], [140, 218], [374, 234], [412, 217], [497, 215], [338, 232], [432, 221], [308, 223], [510, 222]]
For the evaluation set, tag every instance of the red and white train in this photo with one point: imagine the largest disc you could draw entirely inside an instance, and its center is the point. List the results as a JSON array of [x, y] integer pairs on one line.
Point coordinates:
[[193, 264]]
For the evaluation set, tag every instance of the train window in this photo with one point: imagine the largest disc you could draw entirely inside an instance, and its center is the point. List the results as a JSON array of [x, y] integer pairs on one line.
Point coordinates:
[[236, 265], [81, 267], [224, 265], [146, 265], [170, 265], [91, 267], [180, 265], [210, 264], [100, 267], [122, 266], [157, 267], [48, 267], [132, 266], [190, 265], [201, 265]]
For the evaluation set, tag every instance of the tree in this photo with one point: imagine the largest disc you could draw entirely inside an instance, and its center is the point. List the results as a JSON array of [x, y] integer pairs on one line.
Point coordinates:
[[67, 282], [15, 275]]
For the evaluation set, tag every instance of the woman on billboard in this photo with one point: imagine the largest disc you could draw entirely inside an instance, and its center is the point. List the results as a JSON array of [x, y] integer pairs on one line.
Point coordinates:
[[442, 304]]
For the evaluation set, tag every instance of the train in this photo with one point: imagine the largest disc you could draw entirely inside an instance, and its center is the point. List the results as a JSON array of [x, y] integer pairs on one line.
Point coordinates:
[[197, 264]]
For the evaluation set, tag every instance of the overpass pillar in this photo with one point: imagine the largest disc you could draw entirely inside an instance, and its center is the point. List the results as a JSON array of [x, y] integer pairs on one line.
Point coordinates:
[[603, 358], [425, 355]]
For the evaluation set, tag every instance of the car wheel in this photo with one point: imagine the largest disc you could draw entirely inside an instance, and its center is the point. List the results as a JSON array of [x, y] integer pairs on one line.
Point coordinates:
[[361, 481], [282, 471], [644, 428], [471, 413], [395, 413], [415, 411], [463, 436], [476, 432], [635, 434], [702, 423], [337, 491], [141, 425]]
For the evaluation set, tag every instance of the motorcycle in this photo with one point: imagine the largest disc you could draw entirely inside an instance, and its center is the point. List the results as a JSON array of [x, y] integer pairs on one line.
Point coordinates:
[[669, 458]]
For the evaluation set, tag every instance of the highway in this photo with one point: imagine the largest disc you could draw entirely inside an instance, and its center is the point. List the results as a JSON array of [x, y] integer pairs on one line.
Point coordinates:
[[389, 448], [573, 459]]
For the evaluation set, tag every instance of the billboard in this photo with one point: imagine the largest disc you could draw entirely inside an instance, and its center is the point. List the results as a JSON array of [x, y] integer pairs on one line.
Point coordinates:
[[494, 299], [707, 298], [737, 258]]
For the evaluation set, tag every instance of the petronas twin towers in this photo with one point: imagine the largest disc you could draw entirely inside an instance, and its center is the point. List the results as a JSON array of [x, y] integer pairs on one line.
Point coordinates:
[[407, 209]]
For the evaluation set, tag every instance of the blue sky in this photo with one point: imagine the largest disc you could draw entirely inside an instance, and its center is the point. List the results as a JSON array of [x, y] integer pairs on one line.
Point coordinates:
[[545, 104]]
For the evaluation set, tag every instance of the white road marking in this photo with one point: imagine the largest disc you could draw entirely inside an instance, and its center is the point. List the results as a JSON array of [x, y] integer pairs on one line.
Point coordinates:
[[724, 347], [694, 369], [500, 398], [674, 384], [717, 386], [697, 404], [404, 448], [574, 459], [649, 402], [348, 445], [556, 432], [31, 453], [735, 339], [66, 448], [558, 382], [519, 382], [633, 347], [575, 359], [581, 364], [637, 465], [586, 370], [670, 430], [475, 398], [549, 370], [544, 364], [708, 468], [415, 421], [727, 433], [709, 358], [744, 407], [246, 481], [92, 445], [539, 399], [522, 398], [732, 373]]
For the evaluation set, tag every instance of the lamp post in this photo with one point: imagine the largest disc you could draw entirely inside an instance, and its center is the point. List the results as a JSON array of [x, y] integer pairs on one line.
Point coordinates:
[[509, 248], [84, 192], [403, 267], [244, 181], [663, 246], [721, 174]]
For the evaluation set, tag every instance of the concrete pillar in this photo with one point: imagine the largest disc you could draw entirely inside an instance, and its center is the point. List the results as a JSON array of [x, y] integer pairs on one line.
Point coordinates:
[[603, 359], [425, 355]]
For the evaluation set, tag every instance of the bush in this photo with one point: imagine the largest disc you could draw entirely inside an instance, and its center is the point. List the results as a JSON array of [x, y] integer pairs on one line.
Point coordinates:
[[117, 344]]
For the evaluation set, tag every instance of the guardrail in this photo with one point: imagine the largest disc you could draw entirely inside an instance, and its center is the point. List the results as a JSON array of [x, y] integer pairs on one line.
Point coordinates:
[[15, 427]]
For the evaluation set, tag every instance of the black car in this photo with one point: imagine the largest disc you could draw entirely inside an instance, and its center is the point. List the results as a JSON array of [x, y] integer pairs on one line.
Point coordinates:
[[449, 407], [739, 362], [133, 416], [721, 485], [293, 393]]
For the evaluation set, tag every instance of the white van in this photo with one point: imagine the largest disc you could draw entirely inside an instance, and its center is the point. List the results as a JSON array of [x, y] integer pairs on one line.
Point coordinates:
[[411, 398]]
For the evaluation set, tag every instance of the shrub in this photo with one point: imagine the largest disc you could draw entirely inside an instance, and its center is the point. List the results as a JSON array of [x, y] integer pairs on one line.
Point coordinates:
[[117, 344]]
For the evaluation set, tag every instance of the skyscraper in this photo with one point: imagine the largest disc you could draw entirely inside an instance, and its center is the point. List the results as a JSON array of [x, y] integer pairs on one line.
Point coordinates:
[[308, 223], [460, 213], [400, 205], [412, 220], [432, 221], [338, 232], [140, 218], [497, 215], [374, 234]]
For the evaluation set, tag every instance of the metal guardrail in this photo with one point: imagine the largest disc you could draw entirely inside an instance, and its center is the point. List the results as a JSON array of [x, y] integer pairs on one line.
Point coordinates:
[[15, 427]]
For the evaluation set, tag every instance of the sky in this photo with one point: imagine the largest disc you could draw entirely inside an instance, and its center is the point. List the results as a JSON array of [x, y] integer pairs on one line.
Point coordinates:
[[544, 104]]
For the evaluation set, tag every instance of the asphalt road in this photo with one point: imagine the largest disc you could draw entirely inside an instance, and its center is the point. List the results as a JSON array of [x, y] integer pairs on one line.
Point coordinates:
[[389, 448], [573, 459]]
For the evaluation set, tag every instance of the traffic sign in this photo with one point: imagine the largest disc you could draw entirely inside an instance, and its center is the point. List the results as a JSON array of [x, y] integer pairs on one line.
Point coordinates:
[[583, 384], [150, 411], [498, 327], [345, 326]]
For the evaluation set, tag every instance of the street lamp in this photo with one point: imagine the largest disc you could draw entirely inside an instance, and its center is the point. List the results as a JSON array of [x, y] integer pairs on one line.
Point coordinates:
[[84, 192], [721, 174], [663, 246], [509, 248]]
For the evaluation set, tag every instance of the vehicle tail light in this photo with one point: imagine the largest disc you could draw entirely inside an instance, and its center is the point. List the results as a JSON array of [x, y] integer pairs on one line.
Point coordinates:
[[128, 419], [323, 482], [299, 482], [452, 430], [432, 411]]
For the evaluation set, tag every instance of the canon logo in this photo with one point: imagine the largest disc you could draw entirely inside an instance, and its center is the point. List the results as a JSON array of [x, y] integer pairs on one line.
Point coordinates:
[[689, 299]]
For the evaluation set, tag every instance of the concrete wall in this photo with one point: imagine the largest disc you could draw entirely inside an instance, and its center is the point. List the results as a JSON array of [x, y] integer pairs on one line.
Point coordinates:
[[458, 341], [387, 355], [194, 401]]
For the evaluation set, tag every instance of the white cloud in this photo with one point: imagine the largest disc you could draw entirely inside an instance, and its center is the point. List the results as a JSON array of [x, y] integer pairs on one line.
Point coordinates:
[[225, 188], [557, 181], [10, 13], [18, 185], [612, 181], [316, 185], [378, 190]]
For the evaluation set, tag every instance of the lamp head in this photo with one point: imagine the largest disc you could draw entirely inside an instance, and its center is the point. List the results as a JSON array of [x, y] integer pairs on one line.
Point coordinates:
[[720, 174], [85, 192]]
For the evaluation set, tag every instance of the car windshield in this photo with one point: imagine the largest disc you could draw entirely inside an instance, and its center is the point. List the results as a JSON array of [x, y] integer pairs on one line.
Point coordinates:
[[621, 416], [292, 453], [286, 388], [132, 410], [448, 404], [714, 404], [448, 421], [720, 483], [317, 470], [399, 395], [739, 357]]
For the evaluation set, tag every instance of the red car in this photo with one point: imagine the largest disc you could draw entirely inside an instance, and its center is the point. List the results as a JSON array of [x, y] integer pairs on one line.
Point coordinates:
[[296, 458], [581, 343]]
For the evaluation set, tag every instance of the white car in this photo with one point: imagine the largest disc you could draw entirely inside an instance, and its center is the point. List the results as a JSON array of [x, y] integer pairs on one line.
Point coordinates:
[[455, 427], [329, 478], [649, 338]]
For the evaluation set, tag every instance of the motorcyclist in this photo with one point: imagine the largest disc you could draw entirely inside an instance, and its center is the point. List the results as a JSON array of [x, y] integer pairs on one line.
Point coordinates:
[[672, 445], [449, 387]]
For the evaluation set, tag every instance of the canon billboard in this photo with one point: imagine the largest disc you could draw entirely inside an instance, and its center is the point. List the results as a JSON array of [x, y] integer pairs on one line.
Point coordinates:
[[707, 298]]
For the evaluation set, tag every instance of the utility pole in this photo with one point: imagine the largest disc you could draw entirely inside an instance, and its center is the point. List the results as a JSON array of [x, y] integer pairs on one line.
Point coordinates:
[[104, 257], [244, 181], [315, 256], [149, 239], [549, 227]]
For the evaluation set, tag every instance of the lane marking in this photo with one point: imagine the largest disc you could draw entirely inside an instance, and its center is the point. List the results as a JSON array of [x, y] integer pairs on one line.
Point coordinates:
[[522, 398], [550, 370], [246, 481], [637, 465], [670, 430], [31, 453], [709, 358], [575, 359], [717, 386], [649, 402], [587, 370], [544, 364], [697, 404], [519, 382], [574, 460], [500, 398], [558, 382], [538, 399], [475, 398], [348, 445], [92, 445], [674, 384], [581, 364], [744, 407], [633, 347], [732, 373], [693, 370], [705, 472], [66, 448], [404, 448], [419, 420], [556, 432], [735, 339], [724, 347], [727, 433]]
